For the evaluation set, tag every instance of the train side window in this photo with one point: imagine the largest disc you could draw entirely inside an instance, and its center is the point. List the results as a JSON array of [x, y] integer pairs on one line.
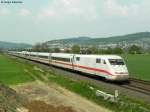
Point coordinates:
[[78, 58], [104, 62], [98, 60], [61, 59], [44, 57]]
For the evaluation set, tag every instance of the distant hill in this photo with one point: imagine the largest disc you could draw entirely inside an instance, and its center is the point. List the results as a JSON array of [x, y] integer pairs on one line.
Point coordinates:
[[137, 38], [9, 45], [76, 40]]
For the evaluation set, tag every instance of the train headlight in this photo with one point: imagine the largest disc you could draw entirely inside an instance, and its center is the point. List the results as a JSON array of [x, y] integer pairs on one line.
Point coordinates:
[[121, 72]]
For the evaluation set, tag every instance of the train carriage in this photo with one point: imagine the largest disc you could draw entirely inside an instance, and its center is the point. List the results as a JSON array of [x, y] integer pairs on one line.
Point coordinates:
[[91, 64], [111, 67], [62, 60], [43, 57], [33, 56]]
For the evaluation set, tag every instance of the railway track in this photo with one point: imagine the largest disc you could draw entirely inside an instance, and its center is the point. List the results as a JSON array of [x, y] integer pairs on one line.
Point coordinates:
[[138, 85]]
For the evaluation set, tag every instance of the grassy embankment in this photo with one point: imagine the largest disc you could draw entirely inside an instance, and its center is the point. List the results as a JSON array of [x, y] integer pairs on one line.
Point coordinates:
[[21, 71], [82, 88]]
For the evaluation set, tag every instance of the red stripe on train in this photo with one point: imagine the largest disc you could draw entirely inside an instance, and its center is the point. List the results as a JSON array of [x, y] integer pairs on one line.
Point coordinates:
[[84, 67]]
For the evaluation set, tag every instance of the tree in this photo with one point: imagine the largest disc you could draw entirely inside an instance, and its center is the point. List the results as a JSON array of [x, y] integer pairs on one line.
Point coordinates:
[[118, 50], [44, 47], [36, 47], [101, 51], [67, 51], [109, 51], [75, 49], [92, 50], [56, 50], [40, 47], [134, 49]]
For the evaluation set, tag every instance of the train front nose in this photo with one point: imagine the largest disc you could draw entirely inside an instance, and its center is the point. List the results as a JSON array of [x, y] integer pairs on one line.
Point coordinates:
[[120, 76], [120, 73], [118, 69]]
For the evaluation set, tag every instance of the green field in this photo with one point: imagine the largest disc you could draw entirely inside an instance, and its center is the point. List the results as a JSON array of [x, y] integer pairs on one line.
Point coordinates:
[[138, 66], [13, 72]]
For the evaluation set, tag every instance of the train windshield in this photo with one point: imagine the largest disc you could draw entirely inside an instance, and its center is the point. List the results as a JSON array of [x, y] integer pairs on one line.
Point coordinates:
[[116, 62]]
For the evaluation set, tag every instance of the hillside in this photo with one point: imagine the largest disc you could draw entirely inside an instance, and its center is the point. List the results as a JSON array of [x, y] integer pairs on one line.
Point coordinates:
[[136, 38], [78, 40], [142, 36], [9, 45]]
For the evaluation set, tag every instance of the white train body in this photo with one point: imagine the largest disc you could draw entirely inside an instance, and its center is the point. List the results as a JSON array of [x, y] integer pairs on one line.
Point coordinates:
[[111, 67]]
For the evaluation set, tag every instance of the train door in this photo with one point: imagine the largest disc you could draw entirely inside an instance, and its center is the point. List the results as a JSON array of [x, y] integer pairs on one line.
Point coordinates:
[[50, 58], [76, 62], [101, 66], [98, 64], [89, 62], [73, 61]]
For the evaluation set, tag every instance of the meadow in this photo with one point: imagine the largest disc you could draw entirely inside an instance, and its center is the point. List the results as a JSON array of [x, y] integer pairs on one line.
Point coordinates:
[[13, 72], [138, 66]]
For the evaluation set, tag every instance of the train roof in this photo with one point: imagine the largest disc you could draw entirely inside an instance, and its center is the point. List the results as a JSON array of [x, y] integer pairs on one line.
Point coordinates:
[[40, 53], [61, 54], [43, 54], [101, 56], [33, 53], [69, 55], [83, 55]]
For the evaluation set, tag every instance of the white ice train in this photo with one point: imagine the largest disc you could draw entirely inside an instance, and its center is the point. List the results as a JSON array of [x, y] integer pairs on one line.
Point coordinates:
[[111, 67]]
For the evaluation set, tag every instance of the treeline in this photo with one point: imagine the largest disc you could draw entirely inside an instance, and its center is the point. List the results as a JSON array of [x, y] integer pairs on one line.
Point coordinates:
[[134, 49]]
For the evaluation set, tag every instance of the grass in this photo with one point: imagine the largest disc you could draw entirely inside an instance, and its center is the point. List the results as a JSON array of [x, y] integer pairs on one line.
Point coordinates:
[[13, 72], [82, 88], [138, 66]]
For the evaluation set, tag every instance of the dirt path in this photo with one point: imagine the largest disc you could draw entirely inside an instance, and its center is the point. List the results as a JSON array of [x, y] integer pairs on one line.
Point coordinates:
[[53, 97], [40, 106]]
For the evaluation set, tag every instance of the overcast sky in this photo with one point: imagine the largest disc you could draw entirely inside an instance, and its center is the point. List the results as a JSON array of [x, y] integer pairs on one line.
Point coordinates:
[[42, 20]]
